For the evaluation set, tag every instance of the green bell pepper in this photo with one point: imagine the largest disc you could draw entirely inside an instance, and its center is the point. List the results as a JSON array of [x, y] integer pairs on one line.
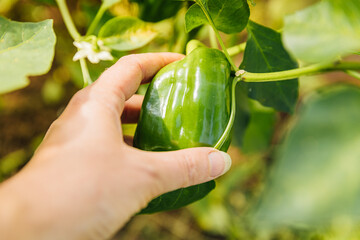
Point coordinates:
[[186, 105]]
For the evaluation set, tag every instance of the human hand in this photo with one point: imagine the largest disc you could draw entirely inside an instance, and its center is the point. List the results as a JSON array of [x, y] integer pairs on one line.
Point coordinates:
[[84, 181]]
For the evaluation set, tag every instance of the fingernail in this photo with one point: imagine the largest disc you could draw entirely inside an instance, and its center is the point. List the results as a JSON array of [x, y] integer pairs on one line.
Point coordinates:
[[220, 163]]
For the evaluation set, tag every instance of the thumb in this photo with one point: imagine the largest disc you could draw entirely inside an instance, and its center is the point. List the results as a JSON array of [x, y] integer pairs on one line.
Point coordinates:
[[188, 167]]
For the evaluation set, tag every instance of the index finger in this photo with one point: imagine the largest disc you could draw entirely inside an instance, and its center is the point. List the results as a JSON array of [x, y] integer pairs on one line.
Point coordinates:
[[125, 76]]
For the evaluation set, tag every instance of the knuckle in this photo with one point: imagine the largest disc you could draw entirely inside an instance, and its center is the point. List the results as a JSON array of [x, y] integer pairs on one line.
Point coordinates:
[[112, 100], [189, 166], [152, 174], [133, 64], [79, 98], [152, 171]]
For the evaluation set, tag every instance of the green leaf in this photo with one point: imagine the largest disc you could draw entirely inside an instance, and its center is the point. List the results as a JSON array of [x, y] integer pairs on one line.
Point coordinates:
[[126, 33], [242, 115], [264, 52], [316, 179], [324, 32], [229, 16], [194, 18], [258, 134], [178, 198], [254, 124], [26, 49], [157, 10]]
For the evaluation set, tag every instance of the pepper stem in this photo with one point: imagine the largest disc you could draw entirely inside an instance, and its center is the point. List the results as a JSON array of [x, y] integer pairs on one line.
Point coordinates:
[[234, 50], [217, 34], [96, 20], [299, 72], [192, 45], [228, 128], [68, 20]]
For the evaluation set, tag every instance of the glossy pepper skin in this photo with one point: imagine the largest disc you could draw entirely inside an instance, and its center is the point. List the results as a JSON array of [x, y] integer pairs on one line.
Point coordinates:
[[186, 105]]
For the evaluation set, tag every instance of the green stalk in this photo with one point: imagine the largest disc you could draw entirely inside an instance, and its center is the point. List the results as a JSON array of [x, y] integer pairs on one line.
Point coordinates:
[[295, 73], [217, 34], [68, 20], [235, 50], [353, 74], [213, 42], [85, 72], [76, 36], [96, 20], [228, 128]]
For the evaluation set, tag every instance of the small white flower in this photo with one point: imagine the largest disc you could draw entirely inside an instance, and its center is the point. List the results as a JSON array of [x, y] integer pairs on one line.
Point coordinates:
[[94, 53]]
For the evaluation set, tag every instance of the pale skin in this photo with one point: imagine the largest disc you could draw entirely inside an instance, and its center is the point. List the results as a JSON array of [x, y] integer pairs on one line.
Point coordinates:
[[84, 181]]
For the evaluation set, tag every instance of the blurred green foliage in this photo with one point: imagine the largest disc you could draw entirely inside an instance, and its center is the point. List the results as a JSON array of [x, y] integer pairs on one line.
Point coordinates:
[[11, 163], [157, 10]]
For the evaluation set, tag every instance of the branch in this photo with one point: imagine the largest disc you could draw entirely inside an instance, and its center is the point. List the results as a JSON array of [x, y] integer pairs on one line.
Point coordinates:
[[295, 73]]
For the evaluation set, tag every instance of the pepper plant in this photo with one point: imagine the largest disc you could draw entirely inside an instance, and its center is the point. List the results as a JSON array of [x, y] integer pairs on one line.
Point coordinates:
[[313, 178]]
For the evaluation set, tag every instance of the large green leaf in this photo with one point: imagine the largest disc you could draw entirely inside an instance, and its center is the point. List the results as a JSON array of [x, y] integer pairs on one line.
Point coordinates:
[[258, 134], [157, 10], [126, 33], [254, 124], [242, 115], [26, 49], [325, 31], [264, 52], [316, 177], [229, 16], [179, 198]]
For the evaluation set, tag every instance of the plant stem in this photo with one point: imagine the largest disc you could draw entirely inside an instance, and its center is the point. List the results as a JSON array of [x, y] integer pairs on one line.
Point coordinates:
[[199, 2], [235, 50], [85, 72], [228, 128], [295, 73], [213, 42], [96, 20], [68, 20], [76, 36], [353, 74]]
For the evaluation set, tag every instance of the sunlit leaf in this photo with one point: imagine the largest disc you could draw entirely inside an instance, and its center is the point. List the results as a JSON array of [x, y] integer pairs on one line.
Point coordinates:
[[108, 3], [325, 31], [315, 179], [229, 16], [126, 33], [26, 49], [128, 129]]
